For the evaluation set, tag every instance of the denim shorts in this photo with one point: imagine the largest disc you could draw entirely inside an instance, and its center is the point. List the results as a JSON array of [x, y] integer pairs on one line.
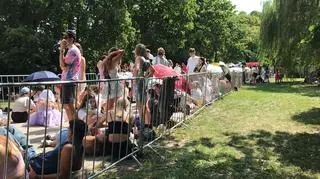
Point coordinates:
[[64, 132]]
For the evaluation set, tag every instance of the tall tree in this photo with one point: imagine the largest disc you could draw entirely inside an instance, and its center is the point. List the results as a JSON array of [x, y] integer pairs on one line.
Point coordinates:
[[285, 24], [165, 23]]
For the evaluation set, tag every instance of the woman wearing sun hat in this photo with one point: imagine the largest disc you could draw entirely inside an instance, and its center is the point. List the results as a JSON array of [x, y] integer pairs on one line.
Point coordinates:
[[22, 106]]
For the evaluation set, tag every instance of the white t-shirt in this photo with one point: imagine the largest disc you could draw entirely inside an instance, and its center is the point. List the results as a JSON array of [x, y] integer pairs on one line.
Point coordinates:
[[192, 63], [160, 60], [22, 104], [177, 69]]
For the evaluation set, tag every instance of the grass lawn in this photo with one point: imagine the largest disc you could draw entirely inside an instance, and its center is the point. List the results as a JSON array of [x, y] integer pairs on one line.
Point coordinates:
[[268, 131], [3, 104]]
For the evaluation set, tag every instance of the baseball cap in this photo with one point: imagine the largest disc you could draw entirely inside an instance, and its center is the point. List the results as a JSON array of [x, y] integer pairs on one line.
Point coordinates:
[[25, 90]]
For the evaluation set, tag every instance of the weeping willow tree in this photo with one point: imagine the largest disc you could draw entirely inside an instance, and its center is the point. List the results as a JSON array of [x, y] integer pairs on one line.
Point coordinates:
[[285, 27]]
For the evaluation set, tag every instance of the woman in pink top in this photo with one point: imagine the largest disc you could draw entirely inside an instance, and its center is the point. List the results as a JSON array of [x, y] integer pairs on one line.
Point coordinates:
[[70, 66]]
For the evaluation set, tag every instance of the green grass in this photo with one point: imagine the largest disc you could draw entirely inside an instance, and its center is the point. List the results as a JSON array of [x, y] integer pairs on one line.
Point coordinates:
[[267, 131], [3, 104]]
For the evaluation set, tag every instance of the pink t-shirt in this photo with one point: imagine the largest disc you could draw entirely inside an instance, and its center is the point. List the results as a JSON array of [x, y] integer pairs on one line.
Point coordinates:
[[73, 63]]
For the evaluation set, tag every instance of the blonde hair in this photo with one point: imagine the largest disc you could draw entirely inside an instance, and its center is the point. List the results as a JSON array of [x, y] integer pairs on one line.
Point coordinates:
[[122, 104], [13, 151]]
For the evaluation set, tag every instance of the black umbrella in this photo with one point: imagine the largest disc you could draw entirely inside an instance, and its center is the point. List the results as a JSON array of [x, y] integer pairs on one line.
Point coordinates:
[[42, 76]]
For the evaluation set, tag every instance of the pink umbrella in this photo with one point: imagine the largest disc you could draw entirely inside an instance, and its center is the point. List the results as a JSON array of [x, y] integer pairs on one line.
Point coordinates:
[[162, 71]]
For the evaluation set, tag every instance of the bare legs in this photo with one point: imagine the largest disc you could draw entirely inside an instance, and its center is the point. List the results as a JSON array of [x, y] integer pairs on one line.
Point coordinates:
[[70, 110]]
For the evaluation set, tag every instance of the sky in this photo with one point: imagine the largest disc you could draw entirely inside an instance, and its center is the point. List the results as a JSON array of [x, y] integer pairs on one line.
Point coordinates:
[[248, 5]]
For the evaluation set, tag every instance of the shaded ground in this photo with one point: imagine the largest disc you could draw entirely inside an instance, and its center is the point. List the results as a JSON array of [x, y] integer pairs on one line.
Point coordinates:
[[267, 131]]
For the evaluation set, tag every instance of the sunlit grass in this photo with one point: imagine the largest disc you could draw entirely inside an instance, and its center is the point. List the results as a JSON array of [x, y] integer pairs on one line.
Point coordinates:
[[3, 104], [267, 131]]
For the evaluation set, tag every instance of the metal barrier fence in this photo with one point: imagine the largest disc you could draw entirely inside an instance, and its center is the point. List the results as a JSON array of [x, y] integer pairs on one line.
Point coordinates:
[[4, 92], [122, 117]]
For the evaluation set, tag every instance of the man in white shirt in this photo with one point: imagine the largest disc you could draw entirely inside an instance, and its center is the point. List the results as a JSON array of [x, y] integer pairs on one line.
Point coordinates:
[[192, 61]]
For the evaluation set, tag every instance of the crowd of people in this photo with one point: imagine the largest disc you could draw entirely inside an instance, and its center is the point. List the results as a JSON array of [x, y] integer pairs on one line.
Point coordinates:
[[259, 74], [100, 116]]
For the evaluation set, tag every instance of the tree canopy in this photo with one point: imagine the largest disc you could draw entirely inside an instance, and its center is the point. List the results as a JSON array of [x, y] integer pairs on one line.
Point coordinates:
[[289, 33], [31, 29]]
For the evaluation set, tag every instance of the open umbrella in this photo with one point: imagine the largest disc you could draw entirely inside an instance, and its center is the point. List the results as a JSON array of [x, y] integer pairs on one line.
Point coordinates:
[[162, 71], [42, 76]]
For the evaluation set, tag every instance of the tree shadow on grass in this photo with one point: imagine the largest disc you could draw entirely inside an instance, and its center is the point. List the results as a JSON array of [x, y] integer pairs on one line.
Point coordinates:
[[200, 158], [308, 117], [289, 87], [205, 141], [300, 150]]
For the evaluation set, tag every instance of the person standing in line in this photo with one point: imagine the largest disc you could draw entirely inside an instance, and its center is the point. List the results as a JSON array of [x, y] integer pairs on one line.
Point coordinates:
[[160, 58], [177, 68], [201, 66], [108, 69], [142, 68], [184, 68], [82, 76], [192, 61], [149, 55], [170, 64], [226, 71], [70, 65]]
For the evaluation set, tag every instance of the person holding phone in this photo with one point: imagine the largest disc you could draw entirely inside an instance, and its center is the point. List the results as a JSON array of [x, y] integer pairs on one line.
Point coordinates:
[[70, 65]]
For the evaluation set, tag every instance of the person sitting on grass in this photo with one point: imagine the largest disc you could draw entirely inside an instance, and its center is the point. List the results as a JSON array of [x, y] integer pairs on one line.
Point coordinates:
[[89, 111], [115, 141], [47, 111], [186, 102], [69, 154], [37, 93], [22, 106], [20, 139], [225, 85]]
